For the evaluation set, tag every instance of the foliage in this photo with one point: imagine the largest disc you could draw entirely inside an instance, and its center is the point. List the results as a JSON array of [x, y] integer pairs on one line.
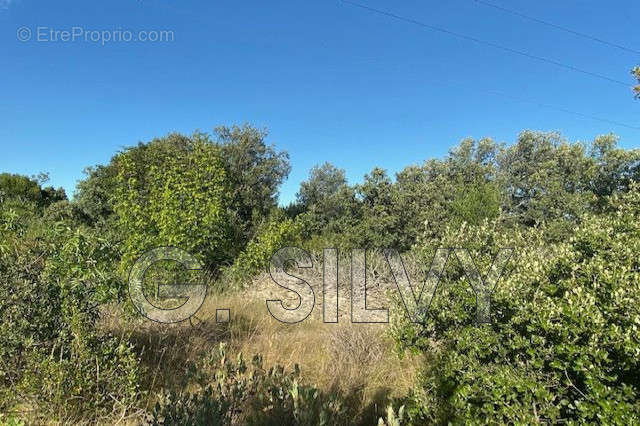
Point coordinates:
[[277, 233], [636, 74], [563, 345], [18, 190], [325, 203], [393, 418], [615, 168], [255, 171], [379, 226], [540, 179], [10, 421], [545, 179], [241, 393], [438, 193], [175, 192], [94, 194], [324, 181], [475, 202], [53, 358], [224, 187]]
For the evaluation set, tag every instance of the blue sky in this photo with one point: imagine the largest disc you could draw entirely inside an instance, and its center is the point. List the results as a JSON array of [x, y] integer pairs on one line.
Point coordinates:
[[332, 82]]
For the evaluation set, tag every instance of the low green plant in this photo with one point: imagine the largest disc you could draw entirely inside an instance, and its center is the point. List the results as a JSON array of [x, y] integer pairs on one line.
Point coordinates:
[[392, 418], [236, 392]]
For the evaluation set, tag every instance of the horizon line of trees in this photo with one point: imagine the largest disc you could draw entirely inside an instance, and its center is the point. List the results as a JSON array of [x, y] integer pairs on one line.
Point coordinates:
[[170, 189]]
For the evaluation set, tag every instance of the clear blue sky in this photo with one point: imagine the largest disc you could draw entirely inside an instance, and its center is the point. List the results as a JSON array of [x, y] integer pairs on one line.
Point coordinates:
[[331, 82]]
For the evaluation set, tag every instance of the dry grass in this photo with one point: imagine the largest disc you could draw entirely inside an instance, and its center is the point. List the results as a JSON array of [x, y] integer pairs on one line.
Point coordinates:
[[356, 359]]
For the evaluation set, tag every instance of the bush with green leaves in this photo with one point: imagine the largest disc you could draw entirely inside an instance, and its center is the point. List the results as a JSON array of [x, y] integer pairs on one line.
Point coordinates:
[[237, 392], [563, 344], [24, 190], [52, 358], [276, 233], [174, 192]]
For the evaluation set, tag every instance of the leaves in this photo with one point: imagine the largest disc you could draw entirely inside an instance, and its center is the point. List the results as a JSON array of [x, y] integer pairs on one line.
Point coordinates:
[[564, 335]]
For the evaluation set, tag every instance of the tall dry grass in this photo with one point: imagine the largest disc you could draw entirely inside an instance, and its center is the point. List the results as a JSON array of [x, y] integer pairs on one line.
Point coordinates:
[[357, 360]]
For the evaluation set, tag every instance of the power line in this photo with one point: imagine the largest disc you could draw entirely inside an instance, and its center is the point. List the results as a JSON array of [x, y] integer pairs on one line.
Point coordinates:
[[488, 43], [561, 109], [496, 93], [539, 104], [558, 27]]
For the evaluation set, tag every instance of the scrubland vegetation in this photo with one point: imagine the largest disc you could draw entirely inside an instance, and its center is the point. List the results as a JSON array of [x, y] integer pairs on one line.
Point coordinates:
[[563, 345]]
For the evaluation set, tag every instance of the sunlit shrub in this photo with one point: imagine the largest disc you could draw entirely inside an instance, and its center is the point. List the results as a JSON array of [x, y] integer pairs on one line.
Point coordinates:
[[52, 356], [274, 235], [563, 345], [174, 192]]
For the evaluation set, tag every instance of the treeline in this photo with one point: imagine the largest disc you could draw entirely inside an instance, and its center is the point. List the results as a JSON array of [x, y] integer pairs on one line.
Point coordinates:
[[563, 342], [540, 179], [215, 195]]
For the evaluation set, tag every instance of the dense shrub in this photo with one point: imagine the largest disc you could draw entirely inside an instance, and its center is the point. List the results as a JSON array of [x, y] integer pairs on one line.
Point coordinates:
[[174, 192], [563, 344], [275, 234], [53, 359], [21, 189]]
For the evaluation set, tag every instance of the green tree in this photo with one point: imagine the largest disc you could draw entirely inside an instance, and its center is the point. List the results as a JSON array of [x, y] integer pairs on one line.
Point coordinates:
[[614, 168], [330, 206], [175, 191], [324, 181], [462, 187], [475, 202], [254, 169], [24, 190], [382, 225], [255, 172], [545, 179], [93, 196], [636, 89]]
